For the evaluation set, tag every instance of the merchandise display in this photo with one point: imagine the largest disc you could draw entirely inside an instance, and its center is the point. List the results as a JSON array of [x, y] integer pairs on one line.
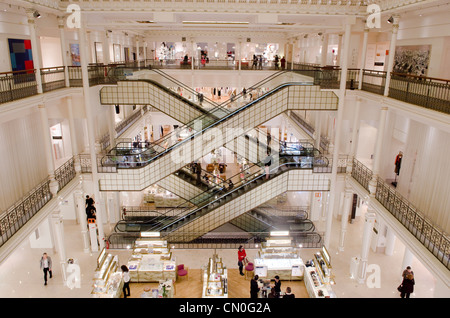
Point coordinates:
[[215, 279], [318, 277], [278, 256], [151, 261], [107, 277], [165, 289]]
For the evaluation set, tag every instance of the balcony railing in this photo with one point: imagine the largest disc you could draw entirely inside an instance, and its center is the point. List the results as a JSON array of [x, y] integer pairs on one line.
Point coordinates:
[[53, 78], [430, 235], [432, 93], [361, 173], [21, 212], [17, 85]]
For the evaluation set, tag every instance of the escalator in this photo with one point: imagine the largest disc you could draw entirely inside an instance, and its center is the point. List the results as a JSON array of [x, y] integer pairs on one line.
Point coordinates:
[[218, 206], [205, 134]]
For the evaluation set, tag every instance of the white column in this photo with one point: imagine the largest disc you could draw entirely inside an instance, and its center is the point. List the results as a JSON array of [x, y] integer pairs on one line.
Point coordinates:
[[317, 129], [112, 126], [378, 149], [407, 259], [348, 199], [73, 135], [145, 51], [58, 231], [391, 55], [367, 236], [81, 212], [91, 132], [315, 206], [106, 51], [390, 242], [340, 114], [35, 48], [48, 149], [363, 57], [355, 134], [340, 50], [324, 50], [137, 48], [62, 38]]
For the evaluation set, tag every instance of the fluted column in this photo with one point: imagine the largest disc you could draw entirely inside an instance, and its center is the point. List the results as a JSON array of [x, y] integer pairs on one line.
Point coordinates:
[[91, 132], [106, 51], [73, 135], [340, 114], [35, 48], [348, 199], [367, 236], [58, 235], [324, 50], [62, 38], [390, 242], [355, 134], [391, 54], [48, 149], [80, 203], [317, 130], [378, 150], [363, 57]]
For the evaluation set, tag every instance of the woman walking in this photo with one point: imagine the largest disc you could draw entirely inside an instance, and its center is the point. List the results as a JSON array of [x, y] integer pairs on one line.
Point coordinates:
[[241, 257]]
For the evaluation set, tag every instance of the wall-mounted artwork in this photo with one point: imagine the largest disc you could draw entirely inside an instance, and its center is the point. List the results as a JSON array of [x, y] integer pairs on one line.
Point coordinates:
[[75, 54], [20, 54], [412, 59]]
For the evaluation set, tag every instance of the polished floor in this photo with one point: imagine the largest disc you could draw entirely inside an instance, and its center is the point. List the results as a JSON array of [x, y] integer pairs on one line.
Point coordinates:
[[20, 276]]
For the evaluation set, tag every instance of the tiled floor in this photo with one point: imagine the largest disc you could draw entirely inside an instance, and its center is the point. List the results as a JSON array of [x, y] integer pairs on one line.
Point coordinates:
[[20, 275]]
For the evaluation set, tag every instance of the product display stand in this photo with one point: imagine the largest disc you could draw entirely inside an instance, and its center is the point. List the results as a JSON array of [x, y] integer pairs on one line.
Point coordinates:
[[107, 277], [279, 257], [215, 279], [318, 277], [151, 261]]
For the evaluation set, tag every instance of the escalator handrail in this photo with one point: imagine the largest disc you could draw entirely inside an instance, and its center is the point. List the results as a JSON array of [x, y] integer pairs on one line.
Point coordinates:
[[215, 123]]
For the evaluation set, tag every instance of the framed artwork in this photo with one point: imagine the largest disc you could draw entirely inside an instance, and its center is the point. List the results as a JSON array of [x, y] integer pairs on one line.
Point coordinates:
[[412, 59], [75, 54], [20, 54]]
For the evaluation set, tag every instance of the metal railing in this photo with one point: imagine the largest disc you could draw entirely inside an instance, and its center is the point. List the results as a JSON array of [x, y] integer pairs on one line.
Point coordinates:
[[361, 173], [53, 78], [373, 81], [428, 92], [17, 85], [22, 211], [222, 240], [431, 236], [65, 173]]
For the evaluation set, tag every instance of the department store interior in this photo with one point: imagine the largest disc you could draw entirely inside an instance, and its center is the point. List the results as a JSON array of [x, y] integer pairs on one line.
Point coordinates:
[[314, 135]]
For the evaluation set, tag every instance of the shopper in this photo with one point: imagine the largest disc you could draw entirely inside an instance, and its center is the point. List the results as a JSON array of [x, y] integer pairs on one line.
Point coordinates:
[[276, 62], [289, 293], [126, 281], [260, 62], [267, 163], [46, 266], [254, 288], [407, 286], [89, 201], [407, 271], [255, 62], [277, 286], [241, 258], [283, 63]]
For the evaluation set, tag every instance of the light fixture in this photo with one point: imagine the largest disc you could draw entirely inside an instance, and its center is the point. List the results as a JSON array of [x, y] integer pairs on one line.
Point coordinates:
[[391, 20], [279, 233], [150, 234], [36, 14]]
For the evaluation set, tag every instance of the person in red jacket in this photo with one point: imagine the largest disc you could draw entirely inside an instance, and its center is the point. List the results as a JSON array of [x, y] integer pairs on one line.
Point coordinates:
[[241, 257]]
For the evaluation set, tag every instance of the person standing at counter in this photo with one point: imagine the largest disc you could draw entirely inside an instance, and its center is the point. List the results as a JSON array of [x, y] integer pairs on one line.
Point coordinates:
[[241, 258], [277, 286], [289, 293], [126, 281], [254, 288]]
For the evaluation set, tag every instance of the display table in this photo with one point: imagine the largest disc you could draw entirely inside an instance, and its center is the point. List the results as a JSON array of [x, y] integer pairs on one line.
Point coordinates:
[[108, 280], [215, 279], [318, 277], [278, 257], [151, 261], [164, 290]]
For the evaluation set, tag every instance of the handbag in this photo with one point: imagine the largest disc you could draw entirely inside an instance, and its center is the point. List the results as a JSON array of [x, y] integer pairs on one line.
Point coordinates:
[[399, 288]]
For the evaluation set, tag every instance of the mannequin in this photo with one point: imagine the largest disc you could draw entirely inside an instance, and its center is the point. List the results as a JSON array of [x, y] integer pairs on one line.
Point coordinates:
[[397, 163]]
